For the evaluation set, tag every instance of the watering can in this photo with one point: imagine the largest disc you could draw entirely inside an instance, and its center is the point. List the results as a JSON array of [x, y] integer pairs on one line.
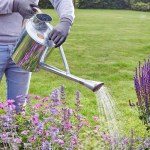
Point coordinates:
[[34, 47]]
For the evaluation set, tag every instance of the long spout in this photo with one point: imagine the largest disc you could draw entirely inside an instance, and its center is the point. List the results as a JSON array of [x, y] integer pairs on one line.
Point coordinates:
[[92, 85]]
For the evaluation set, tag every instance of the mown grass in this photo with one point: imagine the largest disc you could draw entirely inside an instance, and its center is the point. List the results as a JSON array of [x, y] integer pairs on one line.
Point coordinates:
[[104, 45]]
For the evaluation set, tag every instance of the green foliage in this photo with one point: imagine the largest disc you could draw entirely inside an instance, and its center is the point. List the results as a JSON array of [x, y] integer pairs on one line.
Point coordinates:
[[102, 4], [141, 6], [45, 4]]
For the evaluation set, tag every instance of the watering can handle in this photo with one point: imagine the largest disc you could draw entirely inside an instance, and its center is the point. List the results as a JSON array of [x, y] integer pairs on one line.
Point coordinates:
[[63, 58]]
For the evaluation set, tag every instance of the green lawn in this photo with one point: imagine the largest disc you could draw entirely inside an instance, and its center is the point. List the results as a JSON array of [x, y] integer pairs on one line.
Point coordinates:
[[104, 45]]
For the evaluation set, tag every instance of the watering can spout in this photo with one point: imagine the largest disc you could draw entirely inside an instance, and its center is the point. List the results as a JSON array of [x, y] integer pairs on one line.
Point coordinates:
[[93, 85]]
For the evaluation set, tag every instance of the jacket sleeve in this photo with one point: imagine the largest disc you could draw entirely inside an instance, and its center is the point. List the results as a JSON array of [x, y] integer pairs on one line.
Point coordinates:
[[6, 6], [64, 8]]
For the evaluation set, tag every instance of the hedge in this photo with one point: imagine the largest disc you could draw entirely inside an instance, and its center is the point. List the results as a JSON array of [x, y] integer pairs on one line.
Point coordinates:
[[45, 4], [140, 6]]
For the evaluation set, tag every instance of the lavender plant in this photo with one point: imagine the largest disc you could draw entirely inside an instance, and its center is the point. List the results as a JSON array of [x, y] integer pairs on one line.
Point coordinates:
[[142, 88], [48, 124]]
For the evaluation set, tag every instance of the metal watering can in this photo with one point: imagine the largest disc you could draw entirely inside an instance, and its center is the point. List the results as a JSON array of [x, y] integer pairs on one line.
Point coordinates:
[[34, 46]]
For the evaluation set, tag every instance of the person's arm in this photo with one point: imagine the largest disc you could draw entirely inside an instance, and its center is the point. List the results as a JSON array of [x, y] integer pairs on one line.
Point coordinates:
[[65, 10], [6, 6]]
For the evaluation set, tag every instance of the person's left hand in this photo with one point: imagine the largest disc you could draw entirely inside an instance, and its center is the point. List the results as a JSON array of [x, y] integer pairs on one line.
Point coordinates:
[[60, 33]]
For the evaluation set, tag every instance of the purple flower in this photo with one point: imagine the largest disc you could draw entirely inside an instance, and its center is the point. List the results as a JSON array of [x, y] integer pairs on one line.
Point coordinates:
[[27, 145], [6, 118], [147, 143], [4, 135], [45, 146], [35, 120], [106, 137], [54, 111], [67, 113], [32, 139], [61, 142], [54, 130], [142, 88], [67, 125], [55, 96], [77, 99], [25, 132], [96, 128], [74, 141], [17, 140], [39, 129]]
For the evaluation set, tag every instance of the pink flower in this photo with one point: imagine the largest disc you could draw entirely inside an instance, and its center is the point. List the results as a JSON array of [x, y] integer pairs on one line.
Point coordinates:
[[2, 106], [45, 99], [36, 106], [32, 139], [36, 97], [87, 124], [96, 128], [106, 137], [35, 120], [20, 104], [74, 141], [80, 125], [95, 118], [126, 141], [19, 96], [47, 106], [10, 102], [61, 142]]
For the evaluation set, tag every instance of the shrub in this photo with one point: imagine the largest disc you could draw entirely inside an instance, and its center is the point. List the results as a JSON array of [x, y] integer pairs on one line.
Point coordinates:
[[102, 4], [45, 4], [140, 6]]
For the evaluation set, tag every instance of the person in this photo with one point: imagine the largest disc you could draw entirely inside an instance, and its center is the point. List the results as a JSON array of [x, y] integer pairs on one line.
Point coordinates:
[[12, 14]]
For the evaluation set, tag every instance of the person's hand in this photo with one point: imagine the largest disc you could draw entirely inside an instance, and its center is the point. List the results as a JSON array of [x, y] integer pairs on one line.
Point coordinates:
[[60, 32], [25, 7]]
